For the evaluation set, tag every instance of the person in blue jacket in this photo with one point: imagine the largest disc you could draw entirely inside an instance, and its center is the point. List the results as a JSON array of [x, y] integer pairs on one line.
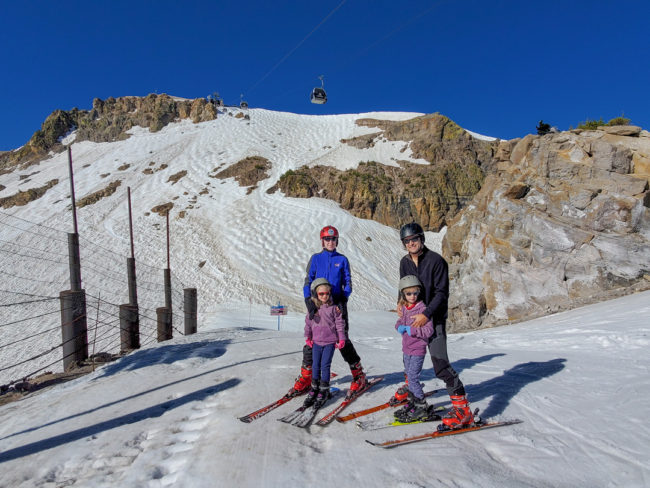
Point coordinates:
[[335, 268]]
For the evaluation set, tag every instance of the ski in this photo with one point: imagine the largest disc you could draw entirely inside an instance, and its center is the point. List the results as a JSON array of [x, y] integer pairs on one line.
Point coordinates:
[[442, 433], [377, 408], [272, 406], [434, 415], [349, 398], [303, 416], [291, 394]]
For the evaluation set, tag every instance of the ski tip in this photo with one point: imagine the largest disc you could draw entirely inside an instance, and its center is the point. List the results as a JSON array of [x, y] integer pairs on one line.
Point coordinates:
[[246, 420]]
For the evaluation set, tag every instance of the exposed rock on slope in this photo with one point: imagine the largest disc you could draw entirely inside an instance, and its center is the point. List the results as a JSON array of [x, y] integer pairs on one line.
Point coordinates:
[[247, 172], [24, 197], [563, 222], [107, 121], [430, 194], [98, 195]]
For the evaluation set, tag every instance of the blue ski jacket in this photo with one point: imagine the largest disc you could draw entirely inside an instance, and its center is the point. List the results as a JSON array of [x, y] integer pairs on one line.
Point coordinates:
[[335, 268]]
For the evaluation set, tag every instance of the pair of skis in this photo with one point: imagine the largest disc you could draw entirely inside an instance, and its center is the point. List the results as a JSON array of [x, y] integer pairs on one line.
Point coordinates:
[[303, 417], [290, 395]]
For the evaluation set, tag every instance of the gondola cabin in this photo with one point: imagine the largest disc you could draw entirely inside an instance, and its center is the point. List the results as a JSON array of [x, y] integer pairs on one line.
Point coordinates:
[[318, 95]]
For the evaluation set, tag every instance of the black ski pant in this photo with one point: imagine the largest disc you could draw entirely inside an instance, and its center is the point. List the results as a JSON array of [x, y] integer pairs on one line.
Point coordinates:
[[348, 352], [441, 365]]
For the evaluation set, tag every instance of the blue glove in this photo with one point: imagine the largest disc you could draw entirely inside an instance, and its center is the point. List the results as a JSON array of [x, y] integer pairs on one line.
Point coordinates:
[[407, 329], [401, 329]]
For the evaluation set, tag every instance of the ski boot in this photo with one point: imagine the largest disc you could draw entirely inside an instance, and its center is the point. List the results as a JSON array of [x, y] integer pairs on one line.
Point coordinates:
[[358, 377], [311, 395], [303, 381], [419, 410], [323, 395], [401, 394], [410, 399], [460, 414]]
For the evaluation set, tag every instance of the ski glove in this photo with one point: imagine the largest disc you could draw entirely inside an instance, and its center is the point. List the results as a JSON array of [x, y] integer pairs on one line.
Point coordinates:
[[404, 328], [311, 307], [340, 345], [309, 342]]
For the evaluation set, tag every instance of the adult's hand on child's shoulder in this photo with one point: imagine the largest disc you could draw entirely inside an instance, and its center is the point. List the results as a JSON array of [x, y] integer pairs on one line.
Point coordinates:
[[419, 320]]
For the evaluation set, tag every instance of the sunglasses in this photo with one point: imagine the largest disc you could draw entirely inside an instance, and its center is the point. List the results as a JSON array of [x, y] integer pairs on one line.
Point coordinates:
[[330, 239], [411, 293], [323, 293], [408, 240]]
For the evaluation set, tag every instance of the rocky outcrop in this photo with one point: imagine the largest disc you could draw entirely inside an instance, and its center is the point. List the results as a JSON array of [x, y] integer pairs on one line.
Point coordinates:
[[98, 195], [564, 221], [247, 172], [24, 197], [430, 194], [107, 121]]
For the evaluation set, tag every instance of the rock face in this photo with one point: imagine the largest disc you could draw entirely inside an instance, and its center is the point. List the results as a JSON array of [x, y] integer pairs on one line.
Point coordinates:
[[430, 194], [107, 121], [564, 221]]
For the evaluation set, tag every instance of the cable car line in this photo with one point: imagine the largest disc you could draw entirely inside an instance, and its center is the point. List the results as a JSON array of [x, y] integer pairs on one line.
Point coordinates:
[[286, 56]]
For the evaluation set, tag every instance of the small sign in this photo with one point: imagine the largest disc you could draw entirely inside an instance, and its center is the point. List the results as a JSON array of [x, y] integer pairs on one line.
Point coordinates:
[[278, 310]]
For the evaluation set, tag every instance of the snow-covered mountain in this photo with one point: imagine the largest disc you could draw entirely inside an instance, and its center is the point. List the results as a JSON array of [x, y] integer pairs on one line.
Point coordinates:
[[166, 415], [240, 250]]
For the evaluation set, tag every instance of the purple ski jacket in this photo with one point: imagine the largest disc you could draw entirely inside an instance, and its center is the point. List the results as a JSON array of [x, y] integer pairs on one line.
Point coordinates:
[[416, 343], [327, 326]]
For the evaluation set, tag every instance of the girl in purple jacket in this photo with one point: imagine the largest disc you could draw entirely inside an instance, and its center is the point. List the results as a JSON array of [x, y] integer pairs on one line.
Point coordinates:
[[323, 333], [414, 347]]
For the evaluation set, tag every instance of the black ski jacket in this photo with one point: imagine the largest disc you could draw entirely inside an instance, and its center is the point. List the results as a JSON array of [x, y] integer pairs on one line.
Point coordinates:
[[433, 272]]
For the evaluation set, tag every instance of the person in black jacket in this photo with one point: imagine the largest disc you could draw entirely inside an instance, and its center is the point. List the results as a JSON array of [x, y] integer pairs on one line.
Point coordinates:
[[432, 270]]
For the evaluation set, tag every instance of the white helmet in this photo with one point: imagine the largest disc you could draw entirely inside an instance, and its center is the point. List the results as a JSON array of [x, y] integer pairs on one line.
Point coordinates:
[[409, 281], [316, 283]]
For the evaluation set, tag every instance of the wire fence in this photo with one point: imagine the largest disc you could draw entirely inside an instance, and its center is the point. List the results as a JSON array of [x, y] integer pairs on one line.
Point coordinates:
[[34, 269]]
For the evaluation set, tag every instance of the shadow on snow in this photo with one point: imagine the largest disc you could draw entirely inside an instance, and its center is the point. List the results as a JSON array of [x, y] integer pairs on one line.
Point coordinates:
[[129, 418], [503, 388]]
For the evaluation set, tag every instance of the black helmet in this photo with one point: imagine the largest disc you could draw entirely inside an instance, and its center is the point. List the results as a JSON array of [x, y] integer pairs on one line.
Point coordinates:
[[412, 229]]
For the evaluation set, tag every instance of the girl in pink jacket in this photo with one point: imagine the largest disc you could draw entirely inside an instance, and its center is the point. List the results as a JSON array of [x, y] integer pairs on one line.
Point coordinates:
[[414, 347], [323, 333]]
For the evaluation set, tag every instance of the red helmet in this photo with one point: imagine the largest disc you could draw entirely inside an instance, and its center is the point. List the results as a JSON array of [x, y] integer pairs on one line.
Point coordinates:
[[329, 231]]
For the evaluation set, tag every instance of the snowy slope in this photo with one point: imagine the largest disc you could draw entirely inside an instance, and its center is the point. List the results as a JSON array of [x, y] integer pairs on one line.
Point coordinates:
[[255, 246], [167, 415]]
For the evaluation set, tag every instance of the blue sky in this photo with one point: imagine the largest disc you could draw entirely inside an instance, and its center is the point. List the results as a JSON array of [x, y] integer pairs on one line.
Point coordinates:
[[494, 67]]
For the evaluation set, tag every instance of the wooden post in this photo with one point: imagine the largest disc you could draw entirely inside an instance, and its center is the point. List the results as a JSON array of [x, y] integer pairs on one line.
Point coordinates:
[[189, 306], [164, 317], [129, 327], [74, 328]]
